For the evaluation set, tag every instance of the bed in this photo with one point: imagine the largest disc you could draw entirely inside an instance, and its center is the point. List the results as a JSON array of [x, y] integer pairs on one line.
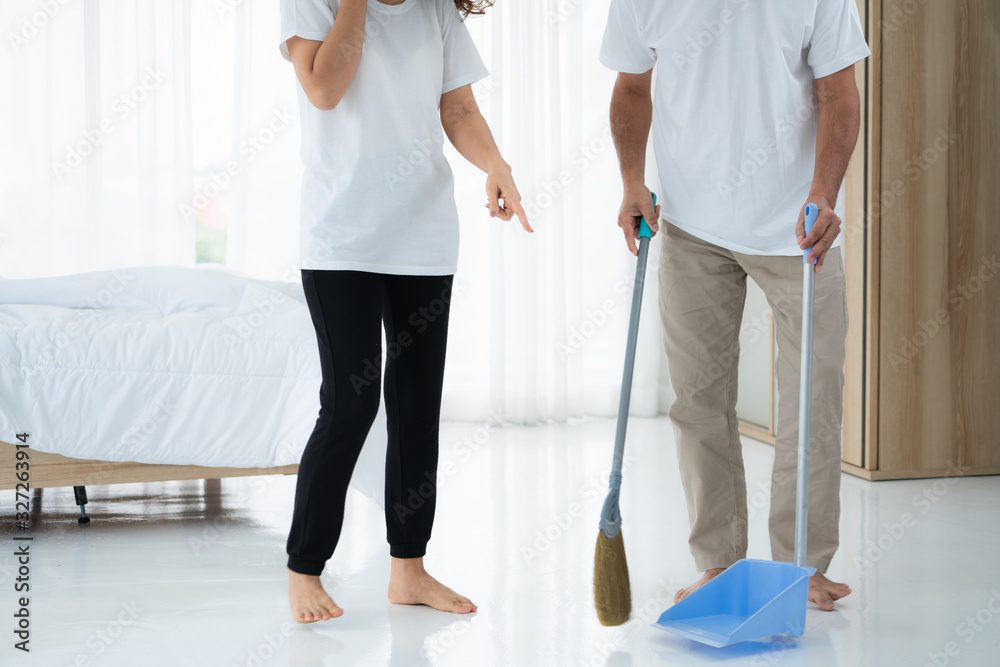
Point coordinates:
[[160, 373]]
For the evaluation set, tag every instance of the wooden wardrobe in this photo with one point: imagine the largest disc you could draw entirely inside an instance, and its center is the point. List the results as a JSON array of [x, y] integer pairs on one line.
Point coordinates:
[[922, 245]]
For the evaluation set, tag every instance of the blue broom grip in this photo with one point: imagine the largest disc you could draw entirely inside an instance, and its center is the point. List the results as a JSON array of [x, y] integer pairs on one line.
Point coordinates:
[[812, 212]]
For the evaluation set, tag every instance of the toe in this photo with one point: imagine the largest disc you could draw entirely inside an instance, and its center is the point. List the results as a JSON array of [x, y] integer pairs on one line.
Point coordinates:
[[841, 592], [823, 600]]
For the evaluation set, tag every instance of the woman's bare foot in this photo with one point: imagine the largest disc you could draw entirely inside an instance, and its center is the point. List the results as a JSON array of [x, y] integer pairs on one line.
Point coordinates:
[[823, 592], [705, 578], [309, 601], [409, 583]]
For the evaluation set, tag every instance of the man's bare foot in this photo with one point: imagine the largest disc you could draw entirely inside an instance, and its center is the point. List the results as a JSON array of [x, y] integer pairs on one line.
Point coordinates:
[[823, 592], [705, 578], [409, 583], [309, 601]]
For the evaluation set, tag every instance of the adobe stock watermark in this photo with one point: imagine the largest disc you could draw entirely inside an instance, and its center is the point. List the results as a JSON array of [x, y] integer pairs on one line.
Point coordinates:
[[957, 299], [754, 159], [786, 300], [439, 644], [419, 321], [285, 451], [894, 532], [758, 325], [916, 166], [642, 616], [912, 171], [220, 180], [561, 10], [417, 497], [224, 8], [596, 319], [593, 491], [971, 627], [823, 431], [779, 644], [103, 638], [376, 23], [409, 163], [267, 648], [120, 279], [33, 24], [122, 107], [900, 13], [244, 326], [159, 412], [212, 530], [710, 31], [554, 188]]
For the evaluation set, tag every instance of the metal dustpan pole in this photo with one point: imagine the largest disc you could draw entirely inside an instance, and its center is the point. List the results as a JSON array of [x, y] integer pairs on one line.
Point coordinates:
[[805, 398]]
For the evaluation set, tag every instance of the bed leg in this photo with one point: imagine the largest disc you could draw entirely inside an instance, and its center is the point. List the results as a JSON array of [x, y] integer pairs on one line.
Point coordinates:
[[80, 492]]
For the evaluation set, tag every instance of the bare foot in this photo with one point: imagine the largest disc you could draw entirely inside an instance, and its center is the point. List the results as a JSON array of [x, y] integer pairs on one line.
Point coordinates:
[[409, 583], [823, 592], [705, 578], [309, 601]]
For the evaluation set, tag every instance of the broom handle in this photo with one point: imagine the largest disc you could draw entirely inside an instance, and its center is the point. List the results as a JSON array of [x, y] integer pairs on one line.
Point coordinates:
[[633, 334], [805, 396]]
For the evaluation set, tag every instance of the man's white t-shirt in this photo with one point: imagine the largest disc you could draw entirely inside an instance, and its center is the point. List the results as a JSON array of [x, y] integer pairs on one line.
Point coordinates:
[[377, 192], [734, 112]]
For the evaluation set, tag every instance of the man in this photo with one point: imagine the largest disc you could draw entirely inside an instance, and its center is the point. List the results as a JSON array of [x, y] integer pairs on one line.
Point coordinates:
[[756, 114]]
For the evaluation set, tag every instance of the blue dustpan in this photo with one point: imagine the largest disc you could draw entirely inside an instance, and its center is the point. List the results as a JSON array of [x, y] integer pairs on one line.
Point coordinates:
[[753, 599], [750, 600]]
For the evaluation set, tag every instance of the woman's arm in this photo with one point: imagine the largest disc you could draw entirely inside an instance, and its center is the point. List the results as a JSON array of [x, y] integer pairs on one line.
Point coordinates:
[[468, 132], [326, 69]]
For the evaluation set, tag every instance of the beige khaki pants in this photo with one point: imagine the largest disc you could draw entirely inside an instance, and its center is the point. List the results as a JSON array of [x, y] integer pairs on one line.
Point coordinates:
[[702, 292]]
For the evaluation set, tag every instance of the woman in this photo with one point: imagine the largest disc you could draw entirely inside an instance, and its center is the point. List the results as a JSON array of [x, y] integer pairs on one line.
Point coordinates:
[[381, 82]]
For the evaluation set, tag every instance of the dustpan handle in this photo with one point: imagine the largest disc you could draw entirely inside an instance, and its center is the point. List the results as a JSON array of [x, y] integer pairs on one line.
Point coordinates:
[[805, 396]]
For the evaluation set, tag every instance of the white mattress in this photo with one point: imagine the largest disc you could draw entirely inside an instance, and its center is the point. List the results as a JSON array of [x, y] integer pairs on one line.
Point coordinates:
[[188, 366]]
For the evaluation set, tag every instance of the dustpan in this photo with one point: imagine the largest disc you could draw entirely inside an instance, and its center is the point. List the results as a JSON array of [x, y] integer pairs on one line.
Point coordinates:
[[753, 599]]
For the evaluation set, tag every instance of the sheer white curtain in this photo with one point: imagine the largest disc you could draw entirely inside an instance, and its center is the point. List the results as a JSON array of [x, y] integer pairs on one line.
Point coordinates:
[[95, 102], [540, 322], [144, 133]]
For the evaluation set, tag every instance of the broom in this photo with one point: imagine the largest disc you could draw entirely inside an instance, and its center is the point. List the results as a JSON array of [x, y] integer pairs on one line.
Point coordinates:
[[612, 591]]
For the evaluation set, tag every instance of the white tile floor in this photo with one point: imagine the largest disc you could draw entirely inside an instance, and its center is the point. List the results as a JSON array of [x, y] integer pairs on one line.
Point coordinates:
[[192, 573]]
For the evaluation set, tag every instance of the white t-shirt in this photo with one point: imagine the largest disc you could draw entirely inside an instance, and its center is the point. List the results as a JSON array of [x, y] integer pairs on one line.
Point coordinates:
[[734, 112], [377, 192]]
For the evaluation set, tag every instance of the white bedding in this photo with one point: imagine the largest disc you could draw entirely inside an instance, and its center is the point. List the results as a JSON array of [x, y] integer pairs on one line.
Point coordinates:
[[188, 366]]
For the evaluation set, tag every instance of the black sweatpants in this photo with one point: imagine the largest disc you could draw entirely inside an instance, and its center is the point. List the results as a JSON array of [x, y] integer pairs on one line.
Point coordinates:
[[348, 309]]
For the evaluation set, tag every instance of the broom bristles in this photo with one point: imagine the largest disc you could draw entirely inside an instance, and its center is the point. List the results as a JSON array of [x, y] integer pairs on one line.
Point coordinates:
[[612, 591]]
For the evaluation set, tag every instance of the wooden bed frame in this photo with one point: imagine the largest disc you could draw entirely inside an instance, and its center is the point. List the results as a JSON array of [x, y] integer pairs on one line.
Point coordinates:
[[52, 470]]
